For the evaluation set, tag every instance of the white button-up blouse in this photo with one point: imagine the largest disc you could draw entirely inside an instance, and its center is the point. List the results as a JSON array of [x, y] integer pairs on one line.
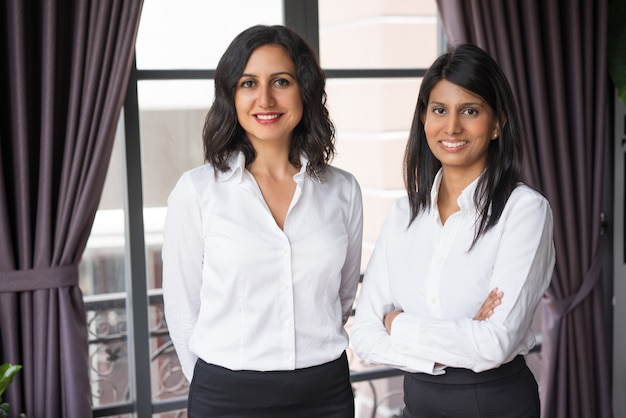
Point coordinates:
[[427, 271], [241, 293]]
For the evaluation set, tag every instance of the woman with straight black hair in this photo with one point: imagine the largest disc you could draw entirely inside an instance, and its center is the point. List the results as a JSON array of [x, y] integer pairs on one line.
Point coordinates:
[[464, 259], [262, 244]]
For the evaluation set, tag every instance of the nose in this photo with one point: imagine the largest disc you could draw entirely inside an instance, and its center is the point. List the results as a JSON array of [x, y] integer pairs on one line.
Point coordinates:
[[266, 97], [453, 125]]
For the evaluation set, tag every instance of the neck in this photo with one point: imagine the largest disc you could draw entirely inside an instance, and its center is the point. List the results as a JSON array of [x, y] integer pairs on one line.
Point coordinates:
[[453, 183], [275, 165]]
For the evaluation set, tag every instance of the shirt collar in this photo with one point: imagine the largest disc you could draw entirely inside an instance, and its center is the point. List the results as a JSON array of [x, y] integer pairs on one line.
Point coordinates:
[[465, 200], [237, 165], [237, 168]]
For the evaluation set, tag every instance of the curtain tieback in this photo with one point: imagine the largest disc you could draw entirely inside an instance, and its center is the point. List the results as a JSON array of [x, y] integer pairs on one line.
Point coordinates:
[[562, 307], [38, 279]]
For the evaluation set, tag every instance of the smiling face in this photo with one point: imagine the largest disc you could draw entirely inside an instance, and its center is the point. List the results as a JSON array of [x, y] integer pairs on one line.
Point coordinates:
[[267, 97], [459, 127]]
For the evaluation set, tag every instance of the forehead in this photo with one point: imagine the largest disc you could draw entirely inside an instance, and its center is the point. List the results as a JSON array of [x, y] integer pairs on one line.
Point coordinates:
[[269, 57], [447, 92]]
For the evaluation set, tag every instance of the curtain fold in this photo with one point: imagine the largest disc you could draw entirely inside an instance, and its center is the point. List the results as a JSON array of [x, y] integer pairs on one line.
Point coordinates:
[[554, 54], [64, 75]]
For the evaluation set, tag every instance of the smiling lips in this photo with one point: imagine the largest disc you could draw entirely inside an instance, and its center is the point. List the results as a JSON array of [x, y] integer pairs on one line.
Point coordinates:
[[455, 144], [267, 117]]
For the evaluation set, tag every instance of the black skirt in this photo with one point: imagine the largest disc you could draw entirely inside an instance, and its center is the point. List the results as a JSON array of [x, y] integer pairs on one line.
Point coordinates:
[[322, 391], [509, 391]]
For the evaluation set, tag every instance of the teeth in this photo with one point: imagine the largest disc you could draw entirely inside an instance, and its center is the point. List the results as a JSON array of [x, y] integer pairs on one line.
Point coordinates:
[[453, 144], [267, 117]]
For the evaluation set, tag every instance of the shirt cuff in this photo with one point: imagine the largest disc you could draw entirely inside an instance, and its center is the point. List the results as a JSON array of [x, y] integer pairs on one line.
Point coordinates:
[[404, 333], [404, 339]]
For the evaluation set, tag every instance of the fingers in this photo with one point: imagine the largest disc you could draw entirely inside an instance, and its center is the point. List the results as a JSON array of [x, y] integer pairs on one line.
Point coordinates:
[[388, 319], [495, 297], [493, 300], [489, 305]]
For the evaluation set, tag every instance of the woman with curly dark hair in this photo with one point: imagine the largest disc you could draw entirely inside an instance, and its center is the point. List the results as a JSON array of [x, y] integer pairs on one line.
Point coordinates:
[[464, 259], [262, 244]]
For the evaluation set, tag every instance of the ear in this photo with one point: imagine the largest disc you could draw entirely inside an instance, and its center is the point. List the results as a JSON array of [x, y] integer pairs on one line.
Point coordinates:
[[496, 132], [497, 129]]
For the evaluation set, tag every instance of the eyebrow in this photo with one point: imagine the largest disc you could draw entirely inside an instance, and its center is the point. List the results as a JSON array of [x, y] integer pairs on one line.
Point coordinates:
[[461, 105], [271, 75]]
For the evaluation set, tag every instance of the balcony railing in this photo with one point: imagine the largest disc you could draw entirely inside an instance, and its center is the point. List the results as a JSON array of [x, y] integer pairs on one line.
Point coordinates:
[[376, 388]]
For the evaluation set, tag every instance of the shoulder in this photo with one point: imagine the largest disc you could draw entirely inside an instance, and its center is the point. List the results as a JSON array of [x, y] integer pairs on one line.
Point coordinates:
[[401, 205], [525, 193], [335, 177], [194, 181], [525, 199], [337, 174], [199, 175], [399, 214]]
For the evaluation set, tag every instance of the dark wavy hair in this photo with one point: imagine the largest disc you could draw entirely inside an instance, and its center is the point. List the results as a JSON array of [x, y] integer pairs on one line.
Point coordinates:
[[475, 70], [314, 136]]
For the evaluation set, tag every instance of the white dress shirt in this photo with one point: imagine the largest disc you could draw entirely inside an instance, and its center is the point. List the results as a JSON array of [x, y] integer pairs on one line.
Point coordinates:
[[241, 293], [427, 271]]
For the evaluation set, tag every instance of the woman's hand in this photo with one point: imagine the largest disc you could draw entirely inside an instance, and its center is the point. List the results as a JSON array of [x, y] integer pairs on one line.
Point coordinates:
[[388, 319], [486, 310]]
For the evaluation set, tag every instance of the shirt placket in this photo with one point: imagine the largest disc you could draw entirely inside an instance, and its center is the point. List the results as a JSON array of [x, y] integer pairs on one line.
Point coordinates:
[[443, 243], [286, 346], [288, 331]]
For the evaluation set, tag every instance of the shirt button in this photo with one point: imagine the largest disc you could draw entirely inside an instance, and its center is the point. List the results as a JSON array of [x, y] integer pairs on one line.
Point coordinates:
[[433, 301]]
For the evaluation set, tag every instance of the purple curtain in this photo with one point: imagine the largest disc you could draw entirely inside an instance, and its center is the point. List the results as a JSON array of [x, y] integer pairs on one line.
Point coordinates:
[[64, 71], [554, 54]]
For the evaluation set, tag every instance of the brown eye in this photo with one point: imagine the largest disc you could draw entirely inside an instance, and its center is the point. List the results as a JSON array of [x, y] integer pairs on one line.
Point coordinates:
[[282, 82]]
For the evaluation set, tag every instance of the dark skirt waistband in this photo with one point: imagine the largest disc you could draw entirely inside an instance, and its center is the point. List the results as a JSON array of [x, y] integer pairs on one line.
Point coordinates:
[[458, 376], [317, 391]]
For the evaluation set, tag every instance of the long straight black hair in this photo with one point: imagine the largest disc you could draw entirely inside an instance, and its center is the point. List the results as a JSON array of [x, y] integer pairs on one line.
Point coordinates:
[[476, 71], [314, 136]]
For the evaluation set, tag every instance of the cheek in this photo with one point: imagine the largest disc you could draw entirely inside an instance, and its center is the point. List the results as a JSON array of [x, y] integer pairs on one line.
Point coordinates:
[[242, 105], [430, 130], [297, 108], [300, 112], [238, 103]]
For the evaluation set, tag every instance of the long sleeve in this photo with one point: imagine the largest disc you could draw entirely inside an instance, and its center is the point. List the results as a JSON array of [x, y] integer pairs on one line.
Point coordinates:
[[182, 269], [351, 270], [369, 337]]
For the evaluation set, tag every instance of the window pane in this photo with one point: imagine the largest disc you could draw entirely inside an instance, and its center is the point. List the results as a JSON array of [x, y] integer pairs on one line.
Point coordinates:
[[193, 34], [103, 283], [377, 33], [372, 117], [171, 117]]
